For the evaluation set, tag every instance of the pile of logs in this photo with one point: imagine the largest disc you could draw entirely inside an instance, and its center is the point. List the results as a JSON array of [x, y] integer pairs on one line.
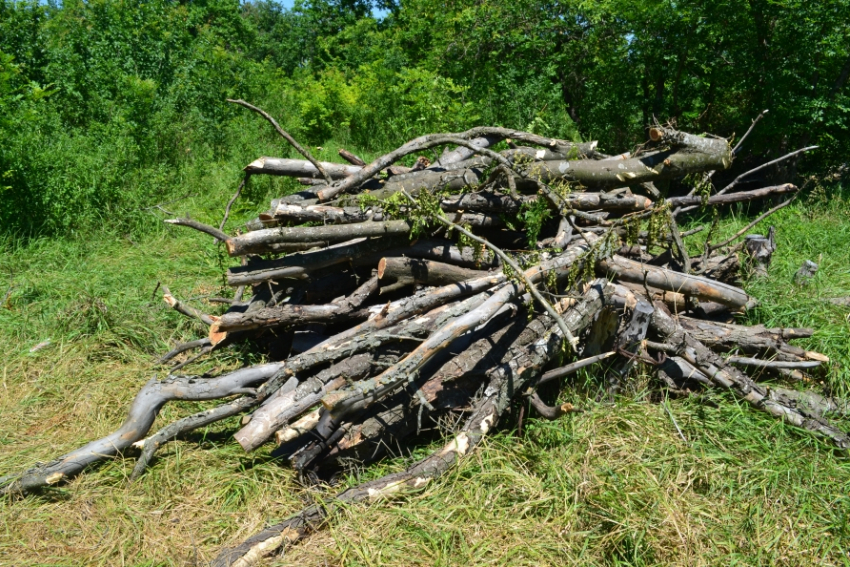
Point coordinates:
[[437, 295]]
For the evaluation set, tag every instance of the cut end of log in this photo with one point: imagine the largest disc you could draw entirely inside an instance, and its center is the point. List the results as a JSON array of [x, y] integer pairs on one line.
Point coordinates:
[[812, 355], [382, 267], [258, 163], [216, 335], [231, 247], [244, 441], [169, 299], [655, 134]]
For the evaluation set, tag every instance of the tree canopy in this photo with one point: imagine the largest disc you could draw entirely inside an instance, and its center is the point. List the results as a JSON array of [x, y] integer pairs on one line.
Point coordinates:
[[102, 102]]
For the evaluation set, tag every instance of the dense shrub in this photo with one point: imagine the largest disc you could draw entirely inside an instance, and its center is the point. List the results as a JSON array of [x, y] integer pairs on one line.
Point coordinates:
[[114, 105]]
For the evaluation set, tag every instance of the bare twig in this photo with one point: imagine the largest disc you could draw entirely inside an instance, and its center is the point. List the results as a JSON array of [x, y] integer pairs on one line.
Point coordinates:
[[286, 136], [573, 367], [233, 200], [211, 230], [744, 230], [773, 363], [737, 147], [186, 310], [183, 348], [764, 166], [191, 359]]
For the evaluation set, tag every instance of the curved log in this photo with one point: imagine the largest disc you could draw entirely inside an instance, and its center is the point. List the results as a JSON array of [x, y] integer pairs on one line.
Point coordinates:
[[143, 411]]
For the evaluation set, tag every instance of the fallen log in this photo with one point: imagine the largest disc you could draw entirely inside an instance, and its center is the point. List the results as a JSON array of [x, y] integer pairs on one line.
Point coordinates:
[[142, 413], [668, 280], [401, 272], [301, 265]]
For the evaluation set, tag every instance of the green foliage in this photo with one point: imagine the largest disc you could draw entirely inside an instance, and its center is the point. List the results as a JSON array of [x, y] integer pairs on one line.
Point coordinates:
[[533, 215], [109, 106]]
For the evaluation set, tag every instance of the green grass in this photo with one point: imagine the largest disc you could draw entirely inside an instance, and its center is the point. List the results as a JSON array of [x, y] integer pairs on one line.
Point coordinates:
[[614, 485]]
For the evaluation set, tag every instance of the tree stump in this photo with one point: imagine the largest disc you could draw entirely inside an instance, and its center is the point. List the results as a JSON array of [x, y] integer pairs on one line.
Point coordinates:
[[760, 252]]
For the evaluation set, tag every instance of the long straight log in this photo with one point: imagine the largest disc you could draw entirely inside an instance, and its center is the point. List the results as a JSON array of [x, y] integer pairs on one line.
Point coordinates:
[[289, 315], [300, 265], [490, 202], [410, 271], [258, 241], [668, 280], [349, 215], [432, 140], [298, 168], [447, 252], [650, 167], [756, 339]]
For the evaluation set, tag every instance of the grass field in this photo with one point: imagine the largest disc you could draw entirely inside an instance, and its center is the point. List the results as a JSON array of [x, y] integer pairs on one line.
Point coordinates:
[[615, 485]]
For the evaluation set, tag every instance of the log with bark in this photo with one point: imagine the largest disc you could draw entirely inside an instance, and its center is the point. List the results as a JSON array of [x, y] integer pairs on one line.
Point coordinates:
[[427, 291]]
